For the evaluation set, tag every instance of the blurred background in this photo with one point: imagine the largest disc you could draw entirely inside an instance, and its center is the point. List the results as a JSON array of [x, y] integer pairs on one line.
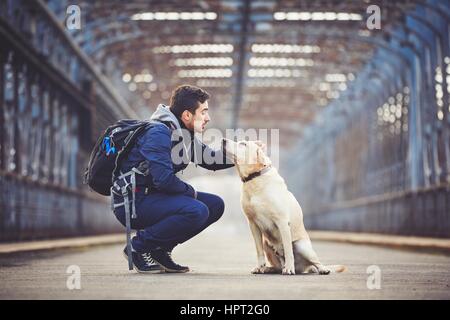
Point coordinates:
[[363, 113]]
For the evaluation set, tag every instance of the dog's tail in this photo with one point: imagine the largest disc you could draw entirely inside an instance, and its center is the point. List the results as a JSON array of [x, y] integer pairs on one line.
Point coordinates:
[[337, 268]]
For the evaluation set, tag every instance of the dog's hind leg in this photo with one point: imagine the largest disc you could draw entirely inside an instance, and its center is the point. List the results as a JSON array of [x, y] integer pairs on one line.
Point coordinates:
[[304, 248]]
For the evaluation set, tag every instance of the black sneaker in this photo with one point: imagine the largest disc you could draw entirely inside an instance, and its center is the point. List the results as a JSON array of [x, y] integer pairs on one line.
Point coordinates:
[[143, 262], [164, 259]]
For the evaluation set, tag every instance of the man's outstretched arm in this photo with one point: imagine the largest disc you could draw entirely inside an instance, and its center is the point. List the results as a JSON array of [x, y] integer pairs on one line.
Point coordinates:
[[211, 159]]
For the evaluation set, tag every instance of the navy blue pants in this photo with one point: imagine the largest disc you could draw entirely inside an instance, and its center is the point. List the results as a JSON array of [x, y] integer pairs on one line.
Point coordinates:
[[165, 220]]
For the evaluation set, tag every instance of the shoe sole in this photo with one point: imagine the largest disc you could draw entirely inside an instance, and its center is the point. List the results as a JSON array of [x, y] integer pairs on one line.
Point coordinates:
[[168, 270], [140, 271]]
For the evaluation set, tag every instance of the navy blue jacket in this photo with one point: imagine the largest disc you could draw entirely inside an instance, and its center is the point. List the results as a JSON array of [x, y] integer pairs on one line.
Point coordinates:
[[156, 146]]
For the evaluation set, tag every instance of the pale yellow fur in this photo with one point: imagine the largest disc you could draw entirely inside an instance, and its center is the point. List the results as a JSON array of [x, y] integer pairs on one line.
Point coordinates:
[[274, 215]]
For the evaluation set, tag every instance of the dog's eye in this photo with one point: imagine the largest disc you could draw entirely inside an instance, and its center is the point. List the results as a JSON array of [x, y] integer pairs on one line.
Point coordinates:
[[242, 143]]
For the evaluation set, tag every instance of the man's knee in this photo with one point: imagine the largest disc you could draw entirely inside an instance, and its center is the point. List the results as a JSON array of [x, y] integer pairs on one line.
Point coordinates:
[[218, 209], [199, 214]]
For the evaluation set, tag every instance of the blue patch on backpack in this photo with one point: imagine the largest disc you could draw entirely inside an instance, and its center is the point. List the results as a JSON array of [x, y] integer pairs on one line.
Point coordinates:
[[107, 146]]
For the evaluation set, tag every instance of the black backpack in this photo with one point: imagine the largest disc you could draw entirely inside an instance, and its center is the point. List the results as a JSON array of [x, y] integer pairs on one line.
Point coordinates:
[[111, 148]]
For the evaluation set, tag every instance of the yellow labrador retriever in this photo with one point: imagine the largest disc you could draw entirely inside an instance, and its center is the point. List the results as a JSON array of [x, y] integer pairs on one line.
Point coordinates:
[[274, 215]]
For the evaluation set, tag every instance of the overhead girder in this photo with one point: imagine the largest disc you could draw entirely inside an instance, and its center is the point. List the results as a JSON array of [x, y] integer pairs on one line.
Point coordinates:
[[139, 42], [418, 54], [137, 48], [125, 13], [163, 35]]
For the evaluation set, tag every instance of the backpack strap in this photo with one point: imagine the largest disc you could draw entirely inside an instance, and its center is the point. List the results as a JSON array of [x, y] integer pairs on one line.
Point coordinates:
[[122, 187]]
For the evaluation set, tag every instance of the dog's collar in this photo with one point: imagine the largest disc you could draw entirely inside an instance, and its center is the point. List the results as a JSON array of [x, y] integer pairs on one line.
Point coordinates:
[[256, 174]]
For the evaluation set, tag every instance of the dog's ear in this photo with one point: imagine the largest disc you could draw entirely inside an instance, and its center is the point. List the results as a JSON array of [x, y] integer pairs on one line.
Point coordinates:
[[261, 157], [262, 145]]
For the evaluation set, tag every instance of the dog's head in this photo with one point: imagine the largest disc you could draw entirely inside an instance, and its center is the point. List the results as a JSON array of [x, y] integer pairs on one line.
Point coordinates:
[[248, 156]]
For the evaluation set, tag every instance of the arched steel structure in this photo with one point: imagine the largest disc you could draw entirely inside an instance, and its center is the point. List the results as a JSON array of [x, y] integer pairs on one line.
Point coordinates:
[[363, 114]]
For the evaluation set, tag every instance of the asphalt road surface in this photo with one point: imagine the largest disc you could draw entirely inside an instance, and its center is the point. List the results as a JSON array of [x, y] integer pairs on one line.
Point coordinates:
[[221, 260]]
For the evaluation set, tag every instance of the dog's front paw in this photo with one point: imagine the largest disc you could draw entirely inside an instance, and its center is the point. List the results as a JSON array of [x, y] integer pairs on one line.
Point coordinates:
[[288, 270], [259, 269]]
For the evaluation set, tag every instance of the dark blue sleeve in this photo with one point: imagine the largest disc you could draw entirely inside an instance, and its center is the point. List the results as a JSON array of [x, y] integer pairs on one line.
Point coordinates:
[[156, 146], [224, 162]]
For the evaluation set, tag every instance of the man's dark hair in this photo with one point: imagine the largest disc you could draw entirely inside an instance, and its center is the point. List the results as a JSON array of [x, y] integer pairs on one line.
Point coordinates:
[[186, 97]]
